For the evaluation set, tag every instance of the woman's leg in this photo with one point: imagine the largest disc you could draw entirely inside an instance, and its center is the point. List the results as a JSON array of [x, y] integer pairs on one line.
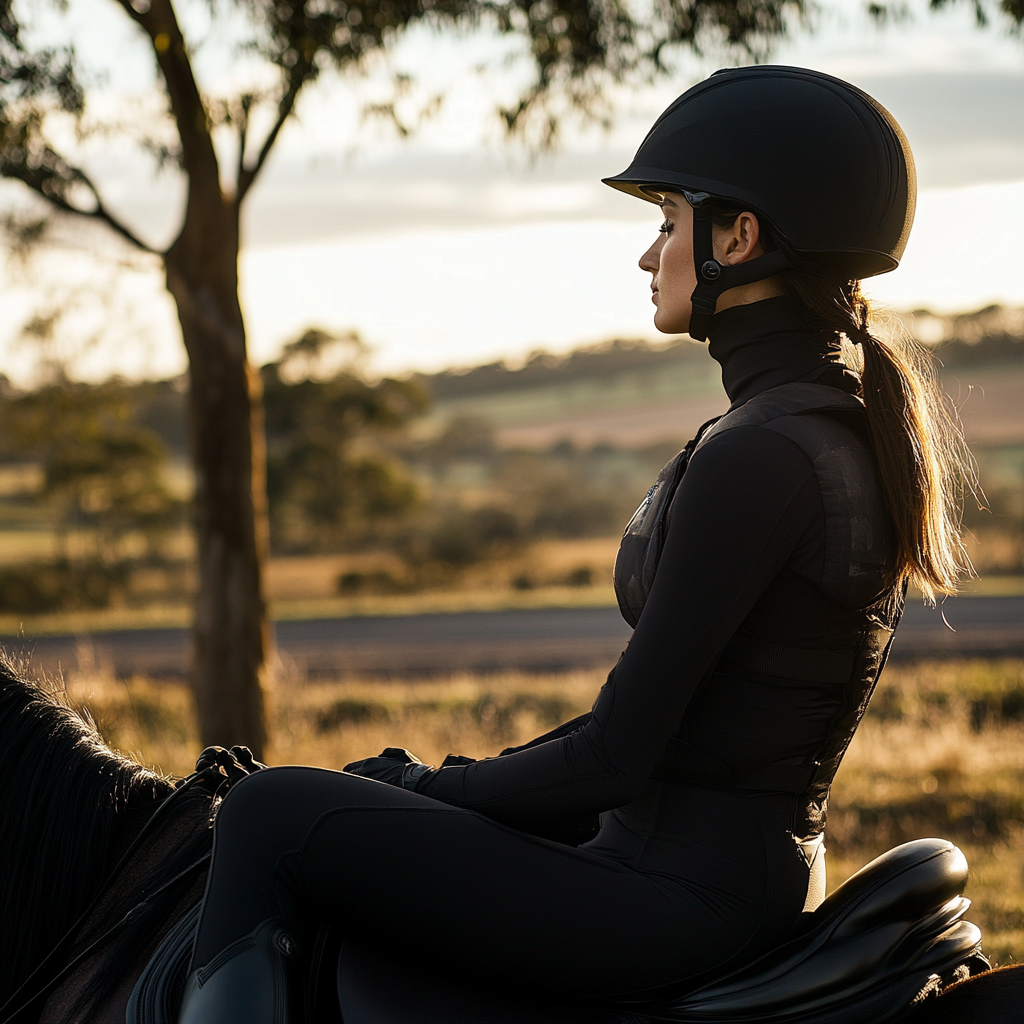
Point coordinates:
[[486, 898]]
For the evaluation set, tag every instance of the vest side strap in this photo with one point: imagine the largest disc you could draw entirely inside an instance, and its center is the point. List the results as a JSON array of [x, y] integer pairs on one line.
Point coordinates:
[[683, 763], [797, 663]]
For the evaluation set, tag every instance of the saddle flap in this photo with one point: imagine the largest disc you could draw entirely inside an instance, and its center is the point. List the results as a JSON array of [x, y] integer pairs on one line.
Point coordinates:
[[156, 997]]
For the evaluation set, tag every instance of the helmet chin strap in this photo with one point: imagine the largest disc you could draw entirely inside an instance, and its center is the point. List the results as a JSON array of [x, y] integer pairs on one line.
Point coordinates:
[[713, 277]]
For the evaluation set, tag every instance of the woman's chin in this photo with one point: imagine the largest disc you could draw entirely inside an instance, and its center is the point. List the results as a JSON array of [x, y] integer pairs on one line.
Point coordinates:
[[665, 324]]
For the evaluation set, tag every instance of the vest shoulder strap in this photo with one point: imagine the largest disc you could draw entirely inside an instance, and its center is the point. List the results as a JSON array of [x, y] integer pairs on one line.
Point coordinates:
[[785, 400]]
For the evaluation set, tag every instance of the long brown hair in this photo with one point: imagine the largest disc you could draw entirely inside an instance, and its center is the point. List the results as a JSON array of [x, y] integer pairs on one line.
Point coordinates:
[[924, 463]]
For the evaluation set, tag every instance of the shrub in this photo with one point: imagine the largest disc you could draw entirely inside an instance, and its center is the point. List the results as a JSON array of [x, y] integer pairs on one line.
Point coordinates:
[[59, 586]]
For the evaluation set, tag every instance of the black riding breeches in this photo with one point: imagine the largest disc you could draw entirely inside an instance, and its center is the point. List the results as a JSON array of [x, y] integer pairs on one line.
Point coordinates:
[[486, 899]]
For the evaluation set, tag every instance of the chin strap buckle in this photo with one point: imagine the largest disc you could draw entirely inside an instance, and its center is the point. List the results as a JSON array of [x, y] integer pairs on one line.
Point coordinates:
[[710, 270]]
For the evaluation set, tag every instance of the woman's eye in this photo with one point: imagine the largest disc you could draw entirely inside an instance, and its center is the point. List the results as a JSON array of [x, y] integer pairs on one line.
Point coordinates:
[[666, 226]]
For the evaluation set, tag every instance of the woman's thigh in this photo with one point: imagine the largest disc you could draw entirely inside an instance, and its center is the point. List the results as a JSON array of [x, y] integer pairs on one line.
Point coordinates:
[[479, 895]]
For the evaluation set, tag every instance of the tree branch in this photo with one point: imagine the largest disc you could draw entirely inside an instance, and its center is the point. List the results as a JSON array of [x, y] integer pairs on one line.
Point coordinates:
[[243, 138], [199, 158], [101, 213], [25, 156], [247, 175]]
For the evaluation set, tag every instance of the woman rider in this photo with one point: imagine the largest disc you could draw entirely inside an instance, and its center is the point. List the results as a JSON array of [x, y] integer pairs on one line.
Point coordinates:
[[764, 586]]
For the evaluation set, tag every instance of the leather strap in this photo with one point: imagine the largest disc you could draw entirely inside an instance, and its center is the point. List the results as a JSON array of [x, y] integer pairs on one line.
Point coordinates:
[[713, 277], [798, 663]]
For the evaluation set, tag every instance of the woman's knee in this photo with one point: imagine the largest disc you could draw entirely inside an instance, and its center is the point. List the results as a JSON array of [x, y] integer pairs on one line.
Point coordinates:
[[295, 795], [262, 798]]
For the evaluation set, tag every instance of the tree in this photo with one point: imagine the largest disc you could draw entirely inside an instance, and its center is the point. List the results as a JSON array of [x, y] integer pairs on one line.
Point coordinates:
[[577, 48], [323, 493], [102, 475]]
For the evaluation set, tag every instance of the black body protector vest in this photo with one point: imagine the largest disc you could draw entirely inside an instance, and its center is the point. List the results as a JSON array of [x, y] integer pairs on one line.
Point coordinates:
[[856, 578]]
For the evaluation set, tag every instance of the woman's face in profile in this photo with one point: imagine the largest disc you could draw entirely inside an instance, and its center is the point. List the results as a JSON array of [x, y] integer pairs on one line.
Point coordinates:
[[670, 263]]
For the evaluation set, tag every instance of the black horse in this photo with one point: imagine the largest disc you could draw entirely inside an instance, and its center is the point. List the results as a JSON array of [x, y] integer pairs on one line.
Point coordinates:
[[103, 863], [70, 809]]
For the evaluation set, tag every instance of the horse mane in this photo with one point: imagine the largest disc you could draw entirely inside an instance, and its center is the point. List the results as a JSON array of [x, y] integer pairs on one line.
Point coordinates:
[[64, 797]]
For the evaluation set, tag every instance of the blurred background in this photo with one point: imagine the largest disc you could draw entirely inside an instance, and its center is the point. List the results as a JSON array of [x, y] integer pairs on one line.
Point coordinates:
[[463, 395]]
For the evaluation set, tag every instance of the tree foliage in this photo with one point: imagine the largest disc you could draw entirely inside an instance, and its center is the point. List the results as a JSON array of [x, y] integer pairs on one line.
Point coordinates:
[[103, 472], [102, 483], [577, 49], [328, 484]]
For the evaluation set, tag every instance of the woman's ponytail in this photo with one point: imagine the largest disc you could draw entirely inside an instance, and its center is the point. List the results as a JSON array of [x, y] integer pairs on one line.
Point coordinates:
[[922, 458]]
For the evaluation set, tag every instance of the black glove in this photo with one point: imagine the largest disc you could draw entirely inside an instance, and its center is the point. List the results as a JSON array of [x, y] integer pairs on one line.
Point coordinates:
[[223, 768], [395, 766], [455, 760]]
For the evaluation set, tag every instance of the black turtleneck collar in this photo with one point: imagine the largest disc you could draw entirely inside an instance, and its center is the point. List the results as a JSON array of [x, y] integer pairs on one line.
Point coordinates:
[[764, 344]]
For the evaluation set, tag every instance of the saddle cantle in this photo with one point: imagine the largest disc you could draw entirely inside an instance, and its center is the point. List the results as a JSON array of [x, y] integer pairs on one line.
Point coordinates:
[[886, 938], [889, 935]]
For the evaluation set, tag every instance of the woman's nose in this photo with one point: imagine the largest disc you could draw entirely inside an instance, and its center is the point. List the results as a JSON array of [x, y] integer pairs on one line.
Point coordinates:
[[649, 261]]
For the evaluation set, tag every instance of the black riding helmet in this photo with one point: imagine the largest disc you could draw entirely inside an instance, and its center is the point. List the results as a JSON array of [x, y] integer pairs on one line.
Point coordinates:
[[824, 166]]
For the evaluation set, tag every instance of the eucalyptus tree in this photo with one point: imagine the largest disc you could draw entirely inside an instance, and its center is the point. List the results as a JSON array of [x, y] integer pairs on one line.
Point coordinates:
[[577, 49]]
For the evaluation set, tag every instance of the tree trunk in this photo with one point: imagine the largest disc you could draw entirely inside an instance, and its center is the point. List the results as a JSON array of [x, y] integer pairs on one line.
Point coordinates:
[[226, 432]]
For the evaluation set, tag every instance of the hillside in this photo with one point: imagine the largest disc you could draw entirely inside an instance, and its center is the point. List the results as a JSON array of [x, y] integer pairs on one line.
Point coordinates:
[[669, 397], [542, 369], [633, 392]]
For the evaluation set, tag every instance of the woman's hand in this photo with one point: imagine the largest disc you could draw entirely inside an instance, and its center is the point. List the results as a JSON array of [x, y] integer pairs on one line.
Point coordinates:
[[395, 766]]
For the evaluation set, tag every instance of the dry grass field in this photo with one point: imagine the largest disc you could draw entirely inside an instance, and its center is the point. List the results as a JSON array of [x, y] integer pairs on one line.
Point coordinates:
[[656, 404], [941, 753]]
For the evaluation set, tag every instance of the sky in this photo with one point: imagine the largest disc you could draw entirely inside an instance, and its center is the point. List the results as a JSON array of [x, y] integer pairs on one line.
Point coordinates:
[[454, 248]]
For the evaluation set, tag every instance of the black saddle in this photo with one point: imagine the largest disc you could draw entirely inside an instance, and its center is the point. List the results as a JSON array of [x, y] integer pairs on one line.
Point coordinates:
[[889, 937]]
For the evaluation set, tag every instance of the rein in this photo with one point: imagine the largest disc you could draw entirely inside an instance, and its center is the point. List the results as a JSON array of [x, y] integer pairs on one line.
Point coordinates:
[[208, 771]]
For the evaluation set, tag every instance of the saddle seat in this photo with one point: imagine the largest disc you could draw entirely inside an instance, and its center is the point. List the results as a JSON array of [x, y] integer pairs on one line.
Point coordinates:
[[889, 937]]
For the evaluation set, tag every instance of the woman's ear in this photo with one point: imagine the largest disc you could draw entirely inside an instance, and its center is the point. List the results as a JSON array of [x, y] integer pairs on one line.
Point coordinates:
[[740, 242]]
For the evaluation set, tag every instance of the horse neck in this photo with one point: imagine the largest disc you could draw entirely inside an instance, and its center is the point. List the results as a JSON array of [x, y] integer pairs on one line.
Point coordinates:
[[98, 990], [64, 797]]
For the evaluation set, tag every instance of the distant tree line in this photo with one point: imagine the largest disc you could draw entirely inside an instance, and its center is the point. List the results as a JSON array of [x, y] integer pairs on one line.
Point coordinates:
[[607, 359], [344, 473], [489, 500], [987, 336]]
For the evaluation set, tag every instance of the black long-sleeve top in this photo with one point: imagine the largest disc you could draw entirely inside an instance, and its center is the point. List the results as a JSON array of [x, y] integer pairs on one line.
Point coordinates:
[[744, 551]]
